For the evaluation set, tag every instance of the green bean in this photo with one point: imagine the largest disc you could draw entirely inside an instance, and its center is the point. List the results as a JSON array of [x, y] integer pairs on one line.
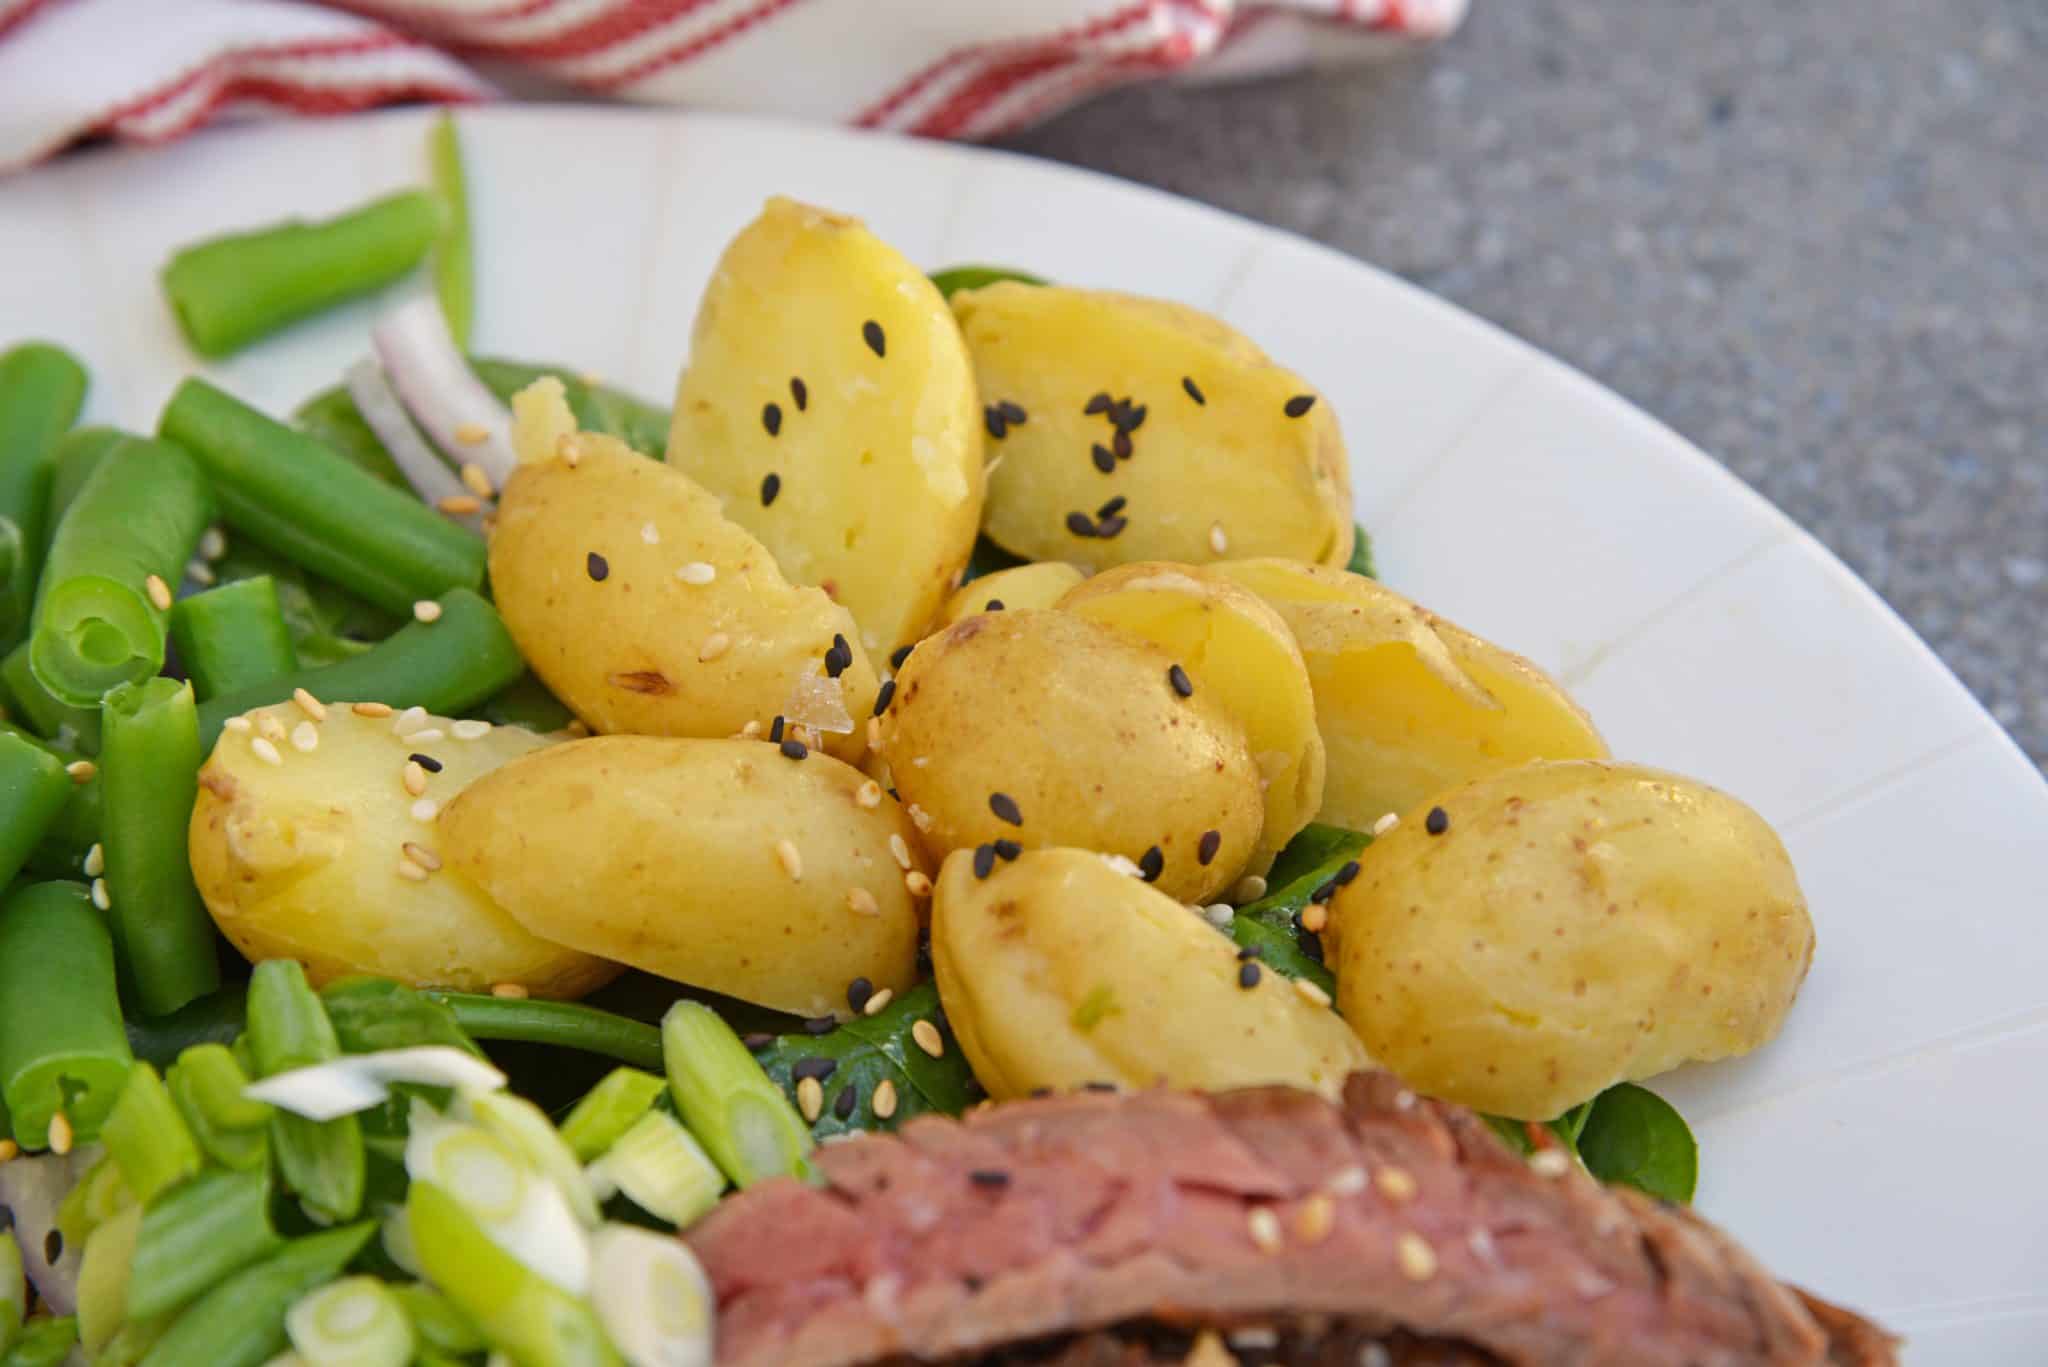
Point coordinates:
[[72, 728], [322, 1161], [77, 454], [99, 620], [438, 1323], [41, 389], [293, 495], [215, 1019], [68, 842], [44, 1343], [332, 419], [34, 789], [229, 291], [147, 1137], [233, 637], [447, 666], [454, 263], [198, 1236], [565, 1024], [240, 1322], [207, 1084], [61, 1044]]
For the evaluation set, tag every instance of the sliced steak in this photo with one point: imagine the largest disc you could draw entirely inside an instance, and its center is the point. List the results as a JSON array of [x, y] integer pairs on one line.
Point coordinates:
[[1387, 1218]]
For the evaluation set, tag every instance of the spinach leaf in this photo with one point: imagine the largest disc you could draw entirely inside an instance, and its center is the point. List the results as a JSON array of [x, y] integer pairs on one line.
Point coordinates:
[[871, 1049], [1361, 554], [598, 408], [1635, 1137], [327, 623], [988, 557], [526, 702], [1310, 860], [953, 279], [1515, 1133], [374, 1014], [331, 417], [1315, 846]]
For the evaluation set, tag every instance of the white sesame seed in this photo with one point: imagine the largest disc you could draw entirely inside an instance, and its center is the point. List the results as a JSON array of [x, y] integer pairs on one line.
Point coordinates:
[[411, 871], [412, 719], [919, 817], [715, 645], [414, 777], [1375, 1355], [469, 728], [884, 1099], [426, 810], [697, 572], [476, 479], [100, 898], [928, 1038], [1310, 993], [9, 1150], [1550, 1162], [81, 770], [569, 449], [1255, 1339], [878, 1003], [1386, 823], [1396, 1184], [1124, 865], [309, 704], [900, 849], [459, 505], [266, 750], [1218, 542], [269, 726], [1313, 1222], [424, 735], [305, 738], [201, 573], [60, 1134], [1480, 1241], [1346, 1181], [510, 991], [241, 726], [875, 736], [371, 709], [792, 861], [917, 884], [213, 544], [1417, 1258], [810, 1099], [159, 592], [1404, 1100], [1249, 889], [95, 860], [861, 902], [1314, 917], [422, 856], [869, 794], [650, 533], [1264, 1227], [426, 610], [1219, 915], [751, 731], [472, 434]]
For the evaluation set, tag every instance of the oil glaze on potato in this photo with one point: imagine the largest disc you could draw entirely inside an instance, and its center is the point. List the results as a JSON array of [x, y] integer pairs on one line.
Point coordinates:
[[1021, 586], [718, 863], [1255, 466], [1407, 703], [826, 362], [1077, 725], [1058, 970], [1231, 643], [641, 607], [1576, 924], [309, 858]]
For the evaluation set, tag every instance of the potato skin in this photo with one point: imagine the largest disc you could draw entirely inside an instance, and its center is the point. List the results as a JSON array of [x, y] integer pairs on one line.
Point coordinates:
[[1409, 704], [1272, 484], [300, 860], [662, 853], [1058, 970], [1231, 643], [1038, 585], [627, 653], [1079, 726], [881, 464], [1579, 923]]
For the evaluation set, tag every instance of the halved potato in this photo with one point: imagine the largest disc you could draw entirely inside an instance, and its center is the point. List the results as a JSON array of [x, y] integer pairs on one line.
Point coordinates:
[[645, 611], [1226, 453], [1407, 703], [1230, 642], [829, 402], [1021, 586]]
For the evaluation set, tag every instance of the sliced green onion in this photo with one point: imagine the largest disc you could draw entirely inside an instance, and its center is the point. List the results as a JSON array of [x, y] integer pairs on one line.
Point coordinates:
[[394, 1232], [438, 1324], [103, 1280], [662, 1170], [532, 1135], [240, 1322], [132, 1343], [323, 1161], [357, 1082], [653, 1298], [13, 1291], [197, 1236], [740, 1117], [44, 1343], [147, 1137], [608, 1110], [518, 1210], [355, 1322], [207, 1084]]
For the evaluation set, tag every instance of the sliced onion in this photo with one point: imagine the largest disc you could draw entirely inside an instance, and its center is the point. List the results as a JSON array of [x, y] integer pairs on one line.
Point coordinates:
[[523, 1213], [528, 1130], [33, 1187], [652, 1298], [440, 390], [356, 1082], [420, 463]]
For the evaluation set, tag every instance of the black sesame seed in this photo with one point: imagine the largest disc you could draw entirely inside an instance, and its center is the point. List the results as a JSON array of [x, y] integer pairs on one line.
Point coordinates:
[[775, 729], [1345, 874], [871, 333], [992, 605], [1299, 404], [1040, 1093], [992, 419], [1121, 444], [1325, 892], [1248, 975], [1211, 842], [984, 860], [857, 993], [1182, 684], [426, 762], [1005, 808], [900, 654], [1079, 525], [771, 485], [1008, 849], [845, 649], [771, 418], [1152, 863], [794, 749], [820, 1025], [799, 392], [1132, 418], [1104, 458], [989, 1177], [1098, 403], [596, 565], [1187, 382], [758, 1041], [6, 1219], [843, 1104], [1100, 1087], [1250, 952], [1110, 526], [53, 1246], [1437, 822], [815, 1066], [1013, 412], [1113, 507], [885, 696], [1310, 944]]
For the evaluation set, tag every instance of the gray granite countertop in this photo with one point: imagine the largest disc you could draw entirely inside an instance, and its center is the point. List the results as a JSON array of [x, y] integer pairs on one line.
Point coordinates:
[[1811, 236]]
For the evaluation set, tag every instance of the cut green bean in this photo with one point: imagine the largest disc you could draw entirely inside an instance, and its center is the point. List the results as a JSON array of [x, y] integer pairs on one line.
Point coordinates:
[[149, 767], [317, 509], [454, 262], [62, 1047], [447, 666], [41, 390], [103, 1280], [34, 789], [240, 1322], [44, 1343], [229, 291], [438, 1323], [736, 1112], [233, 637], [49, 717], [233, 1131], [610, 1109], [104, 601], [65, 846], [13, 1291], [323, 1162], [77, 454], [147, 1137], [197, 1236], [566, 1024]]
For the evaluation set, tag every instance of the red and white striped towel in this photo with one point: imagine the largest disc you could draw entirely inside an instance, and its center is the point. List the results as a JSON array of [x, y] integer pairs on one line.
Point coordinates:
[[152, 70]]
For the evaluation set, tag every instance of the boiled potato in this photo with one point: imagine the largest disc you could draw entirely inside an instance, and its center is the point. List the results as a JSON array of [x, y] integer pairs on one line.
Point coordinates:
[[826, 363], [719, 863], [1409, 704], [1576, 924], [1037, 585], [1228, 454], [645, 611], [1077, 726], [1059, 970], [327, 858], [1230, 642]]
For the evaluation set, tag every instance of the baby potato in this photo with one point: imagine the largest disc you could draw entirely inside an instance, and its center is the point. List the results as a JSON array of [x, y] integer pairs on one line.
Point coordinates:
[[1058, 970], [829, 402], [1151, 431], [1407, 703], [1048, 729], [325, 856], [1229, 642], [719, 863], [1038, 585], [1576, 924], [645, 611]]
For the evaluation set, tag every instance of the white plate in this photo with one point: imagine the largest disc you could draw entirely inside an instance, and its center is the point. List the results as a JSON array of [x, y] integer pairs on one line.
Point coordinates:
[[1884, 1150]]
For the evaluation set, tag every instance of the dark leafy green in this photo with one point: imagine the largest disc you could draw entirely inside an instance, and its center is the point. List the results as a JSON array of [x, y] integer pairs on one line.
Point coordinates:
[[871, 1049], [1310, 860], [213, 1019], [988, 557], [1361, 555], [953, 279], [1515, 1133], [331, 417], [328, 624], [1315, 846], [1636, 1138], [526, 702], [598, 408], [372, 1014]]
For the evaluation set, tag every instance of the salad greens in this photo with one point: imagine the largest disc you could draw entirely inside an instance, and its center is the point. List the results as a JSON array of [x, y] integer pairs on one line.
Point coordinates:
[[1272, 924], [867, 1052]]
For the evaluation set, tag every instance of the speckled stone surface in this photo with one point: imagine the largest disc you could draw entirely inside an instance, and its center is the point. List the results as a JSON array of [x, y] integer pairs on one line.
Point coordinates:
[[1812, 236]]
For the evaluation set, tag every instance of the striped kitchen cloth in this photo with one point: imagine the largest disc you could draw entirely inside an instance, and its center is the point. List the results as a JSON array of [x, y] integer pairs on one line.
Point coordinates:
[[152, 70]]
